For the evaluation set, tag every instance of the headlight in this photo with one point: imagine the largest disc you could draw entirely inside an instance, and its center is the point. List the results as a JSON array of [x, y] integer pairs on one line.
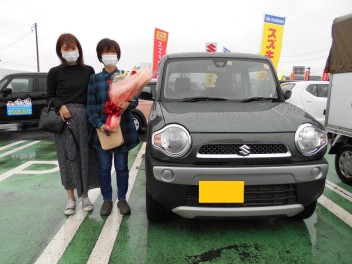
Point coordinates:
[[310, 140], [174, 140]]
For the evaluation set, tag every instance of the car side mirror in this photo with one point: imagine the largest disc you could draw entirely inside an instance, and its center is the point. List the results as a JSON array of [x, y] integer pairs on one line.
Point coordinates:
[[287, 94], [6, 91]]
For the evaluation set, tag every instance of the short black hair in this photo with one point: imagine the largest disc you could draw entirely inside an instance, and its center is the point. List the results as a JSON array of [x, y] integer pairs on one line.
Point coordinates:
[[107, 44]]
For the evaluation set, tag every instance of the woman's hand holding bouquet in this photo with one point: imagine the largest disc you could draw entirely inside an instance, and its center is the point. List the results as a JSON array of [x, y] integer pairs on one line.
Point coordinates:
[[121, 91]]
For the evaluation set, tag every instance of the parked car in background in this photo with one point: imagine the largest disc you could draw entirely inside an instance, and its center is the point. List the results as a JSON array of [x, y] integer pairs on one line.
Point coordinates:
[[22, 97], [142, 111], [311, 96]]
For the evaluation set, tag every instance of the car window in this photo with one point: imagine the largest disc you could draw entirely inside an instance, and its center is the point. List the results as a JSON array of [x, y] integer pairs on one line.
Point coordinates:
[[148, 92], [312, 89], [322, 90], [218, 77], [42, 84], [21, 85]]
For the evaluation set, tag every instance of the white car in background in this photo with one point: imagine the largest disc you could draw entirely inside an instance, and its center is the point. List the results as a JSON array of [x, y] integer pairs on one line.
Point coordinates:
[[311, 96]]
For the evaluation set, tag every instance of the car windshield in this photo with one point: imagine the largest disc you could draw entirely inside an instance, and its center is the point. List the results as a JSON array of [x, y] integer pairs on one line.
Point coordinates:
[[2, 83], [214, 79]]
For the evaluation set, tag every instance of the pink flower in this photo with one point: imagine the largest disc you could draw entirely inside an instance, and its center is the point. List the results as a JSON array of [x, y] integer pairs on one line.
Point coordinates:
[[122, 90]]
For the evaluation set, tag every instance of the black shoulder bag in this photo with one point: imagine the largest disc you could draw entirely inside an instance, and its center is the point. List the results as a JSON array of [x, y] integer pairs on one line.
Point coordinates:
[[50, 120]]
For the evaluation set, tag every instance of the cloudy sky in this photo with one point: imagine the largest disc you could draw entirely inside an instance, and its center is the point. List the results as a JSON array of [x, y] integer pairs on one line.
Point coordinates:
[[235, 24]]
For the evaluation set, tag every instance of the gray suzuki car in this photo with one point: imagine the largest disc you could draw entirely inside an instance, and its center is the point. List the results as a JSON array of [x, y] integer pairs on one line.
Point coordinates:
[[222, 142]]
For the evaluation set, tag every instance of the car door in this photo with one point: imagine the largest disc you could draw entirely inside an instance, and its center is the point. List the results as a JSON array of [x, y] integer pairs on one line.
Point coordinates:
[[39, 95], [314, 98], [17, 103]]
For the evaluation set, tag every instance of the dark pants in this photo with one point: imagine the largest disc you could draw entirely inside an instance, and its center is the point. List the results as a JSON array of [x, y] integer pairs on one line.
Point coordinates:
[[121, 166]]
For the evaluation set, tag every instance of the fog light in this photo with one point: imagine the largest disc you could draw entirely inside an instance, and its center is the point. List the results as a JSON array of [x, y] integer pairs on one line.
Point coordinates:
[[167, 175], [316, 172]]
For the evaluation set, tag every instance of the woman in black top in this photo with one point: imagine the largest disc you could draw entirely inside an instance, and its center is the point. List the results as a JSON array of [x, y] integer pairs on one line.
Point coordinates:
[[67, 85]]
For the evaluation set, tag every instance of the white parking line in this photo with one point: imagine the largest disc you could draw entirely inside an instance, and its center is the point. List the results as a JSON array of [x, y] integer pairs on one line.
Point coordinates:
[[21, 169], [12, 144], [105, 243], [19, 148], [339, 190], [57, 246], [336, 210]]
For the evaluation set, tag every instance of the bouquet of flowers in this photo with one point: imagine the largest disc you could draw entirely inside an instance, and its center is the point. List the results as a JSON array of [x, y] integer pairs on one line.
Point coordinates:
[[124, 89]]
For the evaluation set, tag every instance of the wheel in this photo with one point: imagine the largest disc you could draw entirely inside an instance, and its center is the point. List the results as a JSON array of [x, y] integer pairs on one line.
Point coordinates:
[[137, 122], [156, 212], [307, 212], [343, 164]]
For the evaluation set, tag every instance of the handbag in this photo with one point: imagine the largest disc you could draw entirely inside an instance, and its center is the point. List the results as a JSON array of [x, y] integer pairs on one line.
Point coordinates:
[[110, 140], [50, 120]]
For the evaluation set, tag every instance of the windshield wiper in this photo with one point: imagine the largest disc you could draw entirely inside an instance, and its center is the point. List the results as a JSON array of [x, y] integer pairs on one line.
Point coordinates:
[[258, 99], [203, 98]]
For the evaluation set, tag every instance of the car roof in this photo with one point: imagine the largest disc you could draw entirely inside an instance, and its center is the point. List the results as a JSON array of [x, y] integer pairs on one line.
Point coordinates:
[[306, 82], [27, 74], [215, 55]]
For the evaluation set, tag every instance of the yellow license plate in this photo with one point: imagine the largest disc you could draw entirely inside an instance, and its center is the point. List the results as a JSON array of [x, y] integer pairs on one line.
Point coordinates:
[[221, 191]]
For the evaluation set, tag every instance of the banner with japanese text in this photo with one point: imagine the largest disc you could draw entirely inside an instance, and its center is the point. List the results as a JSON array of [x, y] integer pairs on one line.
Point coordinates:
[[273, 31], [160, 45]]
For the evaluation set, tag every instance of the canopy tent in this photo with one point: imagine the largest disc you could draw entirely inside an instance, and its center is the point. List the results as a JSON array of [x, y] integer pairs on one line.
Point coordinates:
[[340, 57]]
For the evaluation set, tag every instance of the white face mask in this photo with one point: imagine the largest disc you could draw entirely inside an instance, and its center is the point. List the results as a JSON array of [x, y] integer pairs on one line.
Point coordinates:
[[70, 56], [109, 60]]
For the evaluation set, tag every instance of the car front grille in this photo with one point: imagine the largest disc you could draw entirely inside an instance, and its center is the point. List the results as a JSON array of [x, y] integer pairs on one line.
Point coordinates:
[[243, 150], [254, 195]]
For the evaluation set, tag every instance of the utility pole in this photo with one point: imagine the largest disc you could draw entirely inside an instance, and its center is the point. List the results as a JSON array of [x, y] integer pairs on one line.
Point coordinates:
[[36, 44]]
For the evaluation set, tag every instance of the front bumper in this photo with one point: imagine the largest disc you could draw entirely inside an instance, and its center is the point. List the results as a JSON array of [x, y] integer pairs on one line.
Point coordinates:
[[278, 211], [300, 185], [251, 175]]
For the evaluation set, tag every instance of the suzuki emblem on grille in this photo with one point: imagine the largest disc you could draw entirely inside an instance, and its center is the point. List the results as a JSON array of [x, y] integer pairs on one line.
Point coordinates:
[[244, 150]]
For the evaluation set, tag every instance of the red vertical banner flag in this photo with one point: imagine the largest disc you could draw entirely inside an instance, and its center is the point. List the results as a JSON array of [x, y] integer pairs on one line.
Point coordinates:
[[273, 31], [306, 75], [160, 44], [325, 76]]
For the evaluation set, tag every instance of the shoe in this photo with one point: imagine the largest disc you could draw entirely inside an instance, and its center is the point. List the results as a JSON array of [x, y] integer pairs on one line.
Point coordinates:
[[106, 208], [124, 207], [70, 207], [86, 204]]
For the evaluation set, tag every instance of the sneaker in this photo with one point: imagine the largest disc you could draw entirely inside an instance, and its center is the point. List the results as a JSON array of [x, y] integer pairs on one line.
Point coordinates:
[[86, 204], [106, 208], [124, 207], [70, 207]]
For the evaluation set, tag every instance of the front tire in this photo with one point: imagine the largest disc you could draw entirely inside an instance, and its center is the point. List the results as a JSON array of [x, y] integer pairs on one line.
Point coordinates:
[[156, 212], [343, 164]]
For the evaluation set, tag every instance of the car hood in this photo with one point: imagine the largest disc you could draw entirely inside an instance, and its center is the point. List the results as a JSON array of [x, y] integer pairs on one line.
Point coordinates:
[[234, 117]]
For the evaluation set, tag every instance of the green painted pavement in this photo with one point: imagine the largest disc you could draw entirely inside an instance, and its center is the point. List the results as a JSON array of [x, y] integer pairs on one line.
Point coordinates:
[[85, 238], [32, 209], [32, 212], [229, 241], [30, 205]]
